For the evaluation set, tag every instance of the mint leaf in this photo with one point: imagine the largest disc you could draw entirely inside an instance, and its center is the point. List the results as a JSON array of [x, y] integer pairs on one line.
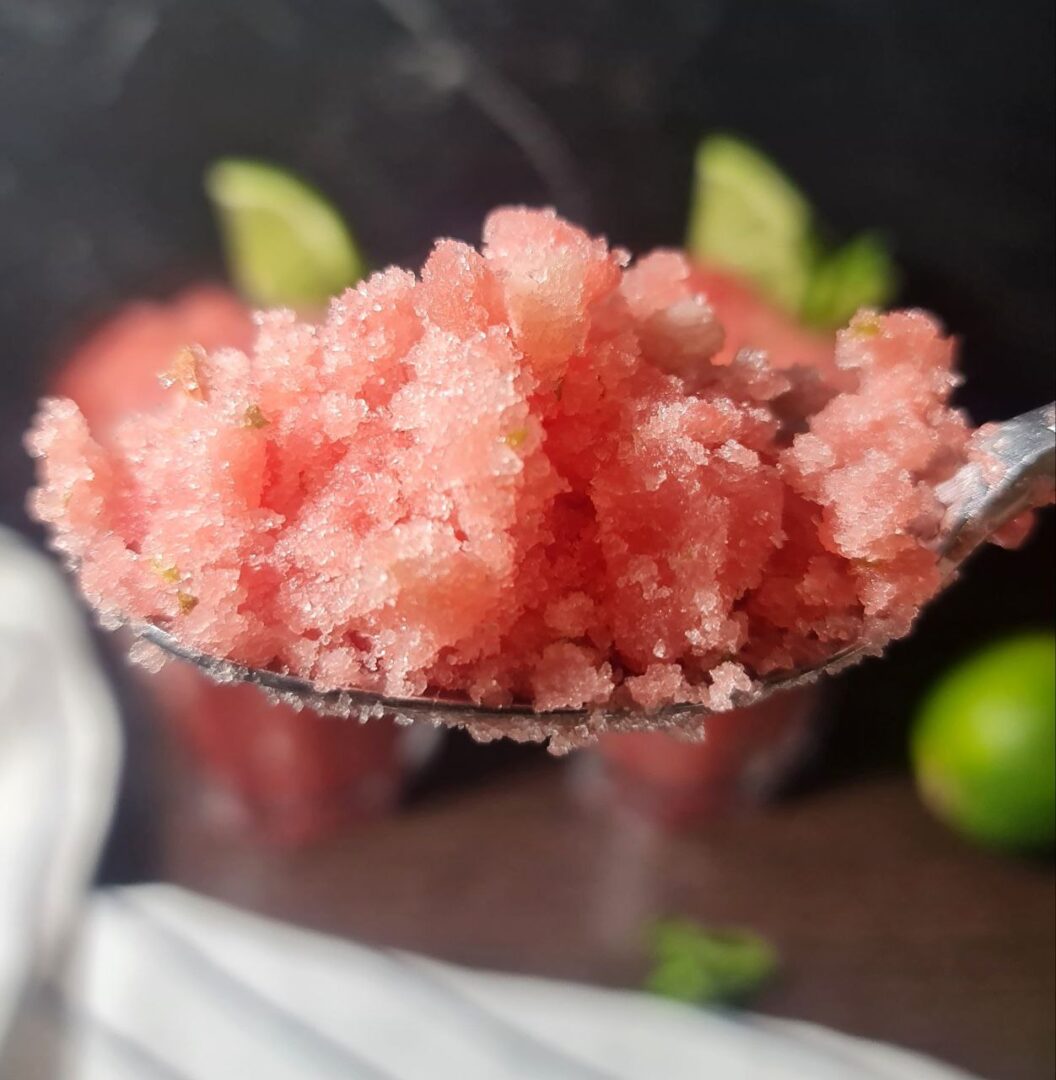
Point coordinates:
[[859, 274], [706, 966]]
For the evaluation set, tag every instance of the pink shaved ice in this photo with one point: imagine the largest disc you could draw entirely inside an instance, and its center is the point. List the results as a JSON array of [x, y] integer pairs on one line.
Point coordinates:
[[536, 473], [105, 375]]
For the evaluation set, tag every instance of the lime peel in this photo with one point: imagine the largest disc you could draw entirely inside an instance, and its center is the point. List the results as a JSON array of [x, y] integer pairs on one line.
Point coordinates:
[[984, 744]]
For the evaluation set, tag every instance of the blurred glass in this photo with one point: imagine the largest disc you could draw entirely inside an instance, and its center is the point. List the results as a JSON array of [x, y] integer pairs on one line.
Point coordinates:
[[285, 776], [745, 755]]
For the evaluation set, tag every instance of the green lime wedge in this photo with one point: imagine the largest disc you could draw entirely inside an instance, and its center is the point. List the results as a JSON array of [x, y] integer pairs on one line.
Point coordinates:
[[285, 243], [746, 215], [984, 744], [859, 274]]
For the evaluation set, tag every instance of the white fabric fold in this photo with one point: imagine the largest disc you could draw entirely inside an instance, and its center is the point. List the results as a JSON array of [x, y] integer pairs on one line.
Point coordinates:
[[59, 761], [203, 990]]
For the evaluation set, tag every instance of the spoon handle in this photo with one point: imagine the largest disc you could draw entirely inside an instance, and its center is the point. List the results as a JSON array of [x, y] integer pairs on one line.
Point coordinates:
[[1016, 470]]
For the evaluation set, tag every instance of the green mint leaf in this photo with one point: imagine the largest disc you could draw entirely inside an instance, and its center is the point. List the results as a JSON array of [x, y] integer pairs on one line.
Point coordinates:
[[859, 274], [706, 966]]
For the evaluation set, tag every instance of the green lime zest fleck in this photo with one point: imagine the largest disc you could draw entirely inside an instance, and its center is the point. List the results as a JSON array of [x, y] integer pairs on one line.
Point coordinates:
[[253, 418], [708, 966], [866, 324], [186, 602], [167, 571], [285, 243], [186, 372], [860, 274], [747, 216]]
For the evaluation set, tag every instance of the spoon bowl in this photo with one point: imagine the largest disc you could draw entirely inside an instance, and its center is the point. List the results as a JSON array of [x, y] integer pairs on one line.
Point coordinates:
[[1012, 471]]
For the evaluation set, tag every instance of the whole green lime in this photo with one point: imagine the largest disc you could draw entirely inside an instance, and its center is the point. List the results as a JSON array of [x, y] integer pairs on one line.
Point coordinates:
[[984, 744]]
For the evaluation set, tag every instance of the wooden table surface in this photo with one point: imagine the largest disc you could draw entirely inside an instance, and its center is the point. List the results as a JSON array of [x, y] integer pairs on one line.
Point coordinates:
[[889, 926]]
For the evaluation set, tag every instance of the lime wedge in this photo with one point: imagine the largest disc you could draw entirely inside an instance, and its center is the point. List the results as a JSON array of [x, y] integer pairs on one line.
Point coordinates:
[[284, 242], [746, 215], [859, 274]]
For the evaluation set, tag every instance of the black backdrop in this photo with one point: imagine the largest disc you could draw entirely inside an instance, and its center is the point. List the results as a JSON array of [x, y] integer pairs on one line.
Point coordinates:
[[931, 120]]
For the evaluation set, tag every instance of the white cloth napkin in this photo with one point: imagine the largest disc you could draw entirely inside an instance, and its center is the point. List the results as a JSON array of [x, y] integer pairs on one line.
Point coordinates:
[[157, 982], [170, 984], [59, 760]]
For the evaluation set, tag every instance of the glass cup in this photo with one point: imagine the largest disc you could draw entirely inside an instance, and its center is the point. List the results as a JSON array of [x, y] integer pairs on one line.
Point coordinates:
[[744, 756], [289, 776]]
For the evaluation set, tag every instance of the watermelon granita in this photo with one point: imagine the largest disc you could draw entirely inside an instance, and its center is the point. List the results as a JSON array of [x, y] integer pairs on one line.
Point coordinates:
[[292, 776], [752, 322], [113, 372], [532, 474]]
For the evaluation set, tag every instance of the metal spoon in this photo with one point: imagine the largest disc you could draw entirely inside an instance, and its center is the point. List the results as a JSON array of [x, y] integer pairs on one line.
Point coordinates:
[[980, 498]]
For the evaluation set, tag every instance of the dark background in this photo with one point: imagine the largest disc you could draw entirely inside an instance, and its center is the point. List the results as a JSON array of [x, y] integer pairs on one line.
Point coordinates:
[[932, 121]]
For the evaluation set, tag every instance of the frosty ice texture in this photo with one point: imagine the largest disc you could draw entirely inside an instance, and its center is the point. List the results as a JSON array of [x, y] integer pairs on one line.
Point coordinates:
[[534, 473], [104, 374]]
